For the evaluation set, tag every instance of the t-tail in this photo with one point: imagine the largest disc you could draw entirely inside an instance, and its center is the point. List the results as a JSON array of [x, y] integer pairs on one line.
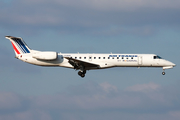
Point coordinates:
[[19, 46]]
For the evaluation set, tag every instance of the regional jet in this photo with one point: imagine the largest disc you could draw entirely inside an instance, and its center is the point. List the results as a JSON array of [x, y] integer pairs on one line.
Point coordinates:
[[84, 62]]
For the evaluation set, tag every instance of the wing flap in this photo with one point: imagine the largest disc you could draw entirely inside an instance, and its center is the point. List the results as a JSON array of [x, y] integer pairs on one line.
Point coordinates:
[[85, 64]]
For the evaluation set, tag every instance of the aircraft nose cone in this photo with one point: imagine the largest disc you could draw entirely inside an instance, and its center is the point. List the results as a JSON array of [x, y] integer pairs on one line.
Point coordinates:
[[173, 64]]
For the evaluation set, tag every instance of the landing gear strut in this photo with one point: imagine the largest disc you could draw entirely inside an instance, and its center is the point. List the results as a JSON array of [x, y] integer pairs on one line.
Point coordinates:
[[82, 73], [163, 73]]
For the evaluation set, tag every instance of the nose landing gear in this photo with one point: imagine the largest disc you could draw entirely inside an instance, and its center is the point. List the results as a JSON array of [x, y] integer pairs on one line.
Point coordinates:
[[163, 73]]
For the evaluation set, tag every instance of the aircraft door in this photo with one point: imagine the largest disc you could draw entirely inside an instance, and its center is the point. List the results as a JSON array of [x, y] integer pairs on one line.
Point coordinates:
[[140, 60]]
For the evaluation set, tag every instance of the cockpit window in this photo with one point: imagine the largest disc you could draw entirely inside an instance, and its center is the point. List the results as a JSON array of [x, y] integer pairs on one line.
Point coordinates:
[[157, 57]]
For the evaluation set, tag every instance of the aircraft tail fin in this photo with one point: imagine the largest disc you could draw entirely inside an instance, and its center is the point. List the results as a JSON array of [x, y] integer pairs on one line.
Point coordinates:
[[19, 46]]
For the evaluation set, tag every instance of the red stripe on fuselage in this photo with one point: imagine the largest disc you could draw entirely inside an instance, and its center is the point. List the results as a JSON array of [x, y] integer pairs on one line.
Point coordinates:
[[15, 48]]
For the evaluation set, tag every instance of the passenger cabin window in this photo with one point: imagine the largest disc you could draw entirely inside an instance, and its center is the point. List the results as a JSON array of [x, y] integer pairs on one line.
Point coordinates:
[[131, 57], [99, 57], [122, 57], [94, 57], [103, 57], [75, 57], [84, 57], [117, 57], [79, 57], [108, 57]]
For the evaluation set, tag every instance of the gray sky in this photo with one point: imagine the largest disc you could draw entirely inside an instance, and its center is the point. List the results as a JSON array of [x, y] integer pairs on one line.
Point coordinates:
[[90, 26]]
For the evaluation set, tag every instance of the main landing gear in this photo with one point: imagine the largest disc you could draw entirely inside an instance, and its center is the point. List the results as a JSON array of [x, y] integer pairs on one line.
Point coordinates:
[[82, 73]]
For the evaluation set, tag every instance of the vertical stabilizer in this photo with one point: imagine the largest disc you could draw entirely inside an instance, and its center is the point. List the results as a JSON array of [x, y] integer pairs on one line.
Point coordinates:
[[19, 46]]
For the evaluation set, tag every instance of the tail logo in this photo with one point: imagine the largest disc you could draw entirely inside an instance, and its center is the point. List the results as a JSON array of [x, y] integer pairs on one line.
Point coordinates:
[[22, 47], [17, 51]]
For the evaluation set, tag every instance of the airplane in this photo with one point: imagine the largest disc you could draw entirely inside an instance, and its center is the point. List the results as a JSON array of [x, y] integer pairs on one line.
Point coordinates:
[[84, 62]]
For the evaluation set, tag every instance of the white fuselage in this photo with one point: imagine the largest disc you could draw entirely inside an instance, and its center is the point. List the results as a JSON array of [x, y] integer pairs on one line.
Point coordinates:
[[103, 60], [83, 62]]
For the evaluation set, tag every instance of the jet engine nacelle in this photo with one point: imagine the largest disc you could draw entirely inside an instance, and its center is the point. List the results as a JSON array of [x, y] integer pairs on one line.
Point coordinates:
[[45, 55]]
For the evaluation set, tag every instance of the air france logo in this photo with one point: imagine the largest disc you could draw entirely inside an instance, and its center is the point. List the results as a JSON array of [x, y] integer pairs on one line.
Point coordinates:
[[122, 55]]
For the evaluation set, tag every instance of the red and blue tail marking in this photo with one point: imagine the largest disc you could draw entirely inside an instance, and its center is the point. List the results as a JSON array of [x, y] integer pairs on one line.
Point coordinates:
[[15, 49], [19, 45]]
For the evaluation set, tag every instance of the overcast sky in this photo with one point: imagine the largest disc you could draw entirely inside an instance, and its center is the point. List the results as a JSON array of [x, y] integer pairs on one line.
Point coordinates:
[[29, 92]]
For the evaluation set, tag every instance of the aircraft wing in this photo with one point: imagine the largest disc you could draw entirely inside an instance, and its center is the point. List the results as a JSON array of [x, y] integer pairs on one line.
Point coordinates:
[[79, 63]]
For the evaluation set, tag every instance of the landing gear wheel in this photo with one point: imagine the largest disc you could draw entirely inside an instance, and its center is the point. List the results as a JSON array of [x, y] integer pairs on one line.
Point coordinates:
[[82, 74], [163, 73]]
